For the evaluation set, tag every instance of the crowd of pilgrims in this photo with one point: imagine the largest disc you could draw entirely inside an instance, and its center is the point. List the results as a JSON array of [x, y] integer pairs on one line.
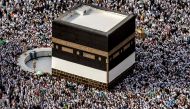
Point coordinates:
[[161, 78]]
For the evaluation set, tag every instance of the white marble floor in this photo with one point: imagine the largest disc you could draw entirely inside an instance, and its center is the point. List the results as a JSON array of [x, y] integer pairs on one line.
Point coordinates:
[[42, 64]]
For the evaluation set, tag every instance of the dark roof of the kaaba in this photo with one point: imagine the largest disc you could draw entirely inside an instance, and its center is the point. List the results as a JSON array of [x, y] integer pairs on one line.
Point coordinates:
[[92, 30]]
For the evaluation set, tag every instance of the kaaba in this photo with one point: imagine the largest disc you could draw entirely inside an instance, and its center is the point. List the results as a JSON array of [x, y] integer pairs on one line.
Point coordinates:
[[93, 46]]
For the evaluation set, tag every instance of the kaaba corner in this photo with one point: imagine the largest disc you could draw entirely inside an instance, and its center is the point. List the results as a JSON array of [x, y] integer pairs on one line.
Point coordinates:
[[93, 46]]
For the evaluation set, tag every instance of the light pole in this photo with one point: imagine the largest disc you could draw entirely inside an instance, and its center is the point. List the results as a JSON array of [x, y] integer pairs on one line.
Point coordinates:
[[34, 65]]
